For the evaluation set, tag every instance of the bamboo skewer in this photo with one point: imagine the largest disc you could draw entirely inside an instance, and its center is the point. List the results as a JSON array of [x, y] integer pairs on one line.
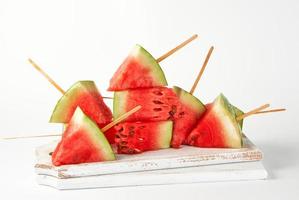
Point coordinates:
[[46, 76], [172, 51], [104, 129], [39, 69], [201, 70], [254, 111], [121, 118], [271, 111]]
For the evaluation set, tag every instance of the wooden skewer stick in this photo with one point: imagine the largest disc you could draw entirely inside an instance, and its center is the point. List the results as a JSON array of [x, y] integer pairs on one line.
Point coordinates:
[[108, 126], [201, 70], [38, 68], [172, 51], [121, 118], [46, 76], [254, 111], [270, 111]]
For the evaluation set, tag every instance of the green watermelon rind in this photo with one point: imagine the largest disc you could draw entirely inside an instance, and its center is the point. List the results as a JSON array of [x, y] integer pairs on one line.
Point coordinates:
[[156, 71], [95, 134], [119, 103], [238, 112], [229, 112], [189, 100], [165, 130], [68, 98]]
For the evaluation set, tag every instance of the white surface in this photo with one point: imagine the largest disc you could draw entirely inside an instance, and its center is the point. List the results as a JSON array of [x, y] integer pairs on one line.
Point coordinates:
[[255, 61], [186, 156], [212, 173], [281, 161]]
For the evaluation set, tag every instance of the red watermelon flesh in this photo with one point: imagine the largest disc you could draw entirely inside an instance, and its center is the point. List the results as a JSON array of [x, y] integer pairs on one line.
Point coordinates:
[[137, 137], [85, 95], [82, 142], [139, 70], [189, 114], [218, 128], [157, 104]]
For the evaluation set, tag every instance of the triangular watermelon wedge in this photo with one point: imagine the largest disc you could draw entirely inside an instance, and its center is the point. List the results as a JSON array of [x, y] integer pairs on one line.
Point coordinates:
[[189, 113], [82, 142], [218, 128], [85, 95], [139, 70]]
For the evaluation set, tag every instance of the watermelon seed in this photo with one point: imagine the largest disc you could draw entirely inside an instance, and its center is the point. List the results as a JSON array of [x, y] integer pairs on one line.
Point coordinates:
[[159, 93], [121, 129], [123, 143], [50, 153], [157, 102], [157, 109], [142, 127], [117, 136]]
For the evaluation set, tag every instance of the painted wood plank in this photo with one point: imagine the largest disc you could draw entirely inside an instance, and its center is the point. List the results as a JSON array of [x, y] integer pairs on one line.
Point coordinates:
[[213, 173], [186, 156]]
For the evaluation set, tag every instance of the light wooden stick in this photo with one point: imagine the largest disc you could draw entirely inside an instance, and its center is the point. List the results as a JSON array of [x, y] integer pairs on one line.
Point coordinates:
[[121, 118], [201, 70], [38, 68], [172, 51], [270, 111], [46, 76], [28, 136], [107, 127], [252, 112]]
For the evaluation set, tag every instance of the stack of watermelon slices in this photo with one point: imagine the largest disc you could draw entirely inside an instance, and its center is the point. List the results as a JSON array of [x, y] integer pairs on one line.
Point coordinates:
[[141, 81], [169, 117]]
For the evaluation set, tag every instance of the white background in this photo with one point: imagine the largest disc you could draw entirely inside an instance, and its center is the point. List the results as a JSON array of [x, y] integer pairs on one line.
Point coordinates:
[[255, 61]]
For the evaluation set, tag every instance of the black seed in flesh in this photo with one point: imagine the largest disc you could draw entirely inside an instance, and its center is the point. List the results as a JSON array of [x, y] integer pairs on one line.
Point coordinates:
[[142, 127], [157, 102], [157, 109], [117, 136], [159, 93], [50, 153]]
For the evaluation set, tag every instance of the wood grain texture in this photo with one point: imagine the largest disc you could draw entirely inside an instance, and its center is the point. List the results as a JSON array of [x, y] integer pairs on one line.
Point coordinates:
[[153, 160]]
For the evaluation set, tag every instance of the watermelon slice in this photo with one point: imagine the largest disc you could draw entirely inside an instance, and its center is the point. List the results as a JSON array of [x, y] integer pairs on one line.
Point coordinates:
[[238, 112], [139, 70], [82, 142], [218, 127], [191, 111], [85, 95], [137, 137], [157, 104]]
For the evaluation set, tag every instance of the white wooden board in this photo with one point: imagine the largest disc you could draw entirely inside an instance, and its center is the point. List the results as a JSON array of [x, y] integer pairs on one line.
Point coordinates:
[[211, 173], [154, 160]]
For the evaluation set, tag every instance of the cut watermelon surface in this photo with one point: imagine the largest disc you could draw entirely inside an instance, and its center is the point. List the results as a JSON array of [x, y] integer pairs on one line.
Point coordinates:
[[139, 70], [85, 95], [218, 127], [189, 114], [82, 142], [137, 137], [157, 104]]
